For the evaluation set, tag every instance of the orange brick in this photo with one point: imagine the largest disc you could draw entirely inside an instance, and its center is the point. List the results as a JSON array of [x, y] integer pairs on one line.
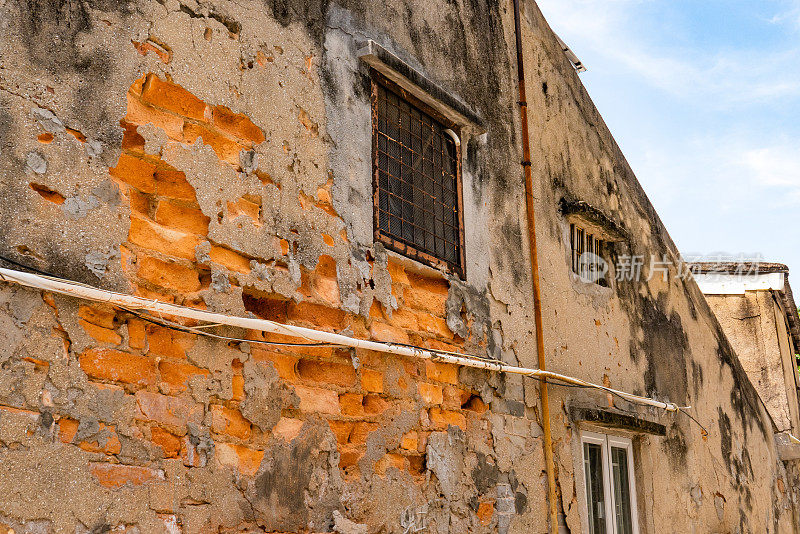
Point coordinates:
[[410, 441], [117, 475], [226, 420], [167, 342], [454, 397], [423, 300], [172, 183], [168, 275], [434, 325], [431, 284], [387, 333], [230, 259], [237, 125], [324, 196], [172, 97], [374, 405], [136, 333], [135, 172], [326, 289], [246, 460], [441, 372], [485, 512], [153, 236], [403, 318], [351, 404], [68, 428], [284, 364], [269, 307], [372, 380], [177, 374], [316, 315], [190, 456], [170, 443], [442, 418], [29, 414], [98, 316], [169, 411], [237, 380], [316, 400], [416, 464], [249, 209], [326, 372], [139, 202], [349, 458], [397, 272], [183, 218], [104, 335], [326, 266], [430, 393], [361, 431], [131, 140], [140, 113], [287, 428], [341, 429], [148, 46], [389, 460], [110, 364], [238, 387], [475, 404], [225, 149]]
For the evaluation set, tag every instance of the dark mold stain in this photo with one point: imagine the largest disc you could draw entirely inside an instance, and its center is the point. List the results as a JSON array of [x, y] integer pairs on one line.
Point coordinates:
[[280, 487], [50, 30], [485, 474], [726, 441], [674, 446], [665, 346]]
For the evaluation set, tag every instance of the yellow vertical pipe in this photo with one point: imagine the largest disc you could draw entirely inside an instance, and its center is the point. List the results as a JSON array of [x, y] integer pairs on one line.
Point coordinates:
[[537, 301]]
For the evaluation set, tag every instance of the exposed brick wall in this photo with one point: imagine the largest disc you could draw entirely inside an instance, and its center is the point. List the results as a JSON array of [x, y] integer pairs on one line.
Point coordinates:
[[351, 392]]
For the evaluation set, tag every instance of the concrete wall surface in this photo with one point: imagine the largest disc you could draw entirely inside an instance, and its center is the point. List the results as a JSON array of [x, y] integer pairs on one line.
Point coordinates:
[[754, 323], [217, 154]]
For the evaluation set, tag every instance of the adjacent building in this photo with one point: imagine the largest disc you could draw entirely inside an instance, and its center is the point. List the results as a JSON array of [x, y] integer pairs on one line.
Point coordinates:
[[351, 167], [755, 306]]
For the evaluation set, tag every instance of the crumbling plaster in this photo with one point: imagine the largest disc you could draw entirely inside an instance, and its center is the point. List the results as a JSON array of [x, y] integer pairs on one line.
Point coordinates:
[[292, 69]]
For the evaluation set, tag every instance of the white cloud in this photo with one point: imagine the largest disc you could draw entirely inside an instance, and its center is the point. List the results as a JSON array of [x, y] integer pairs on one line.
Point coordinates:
[[776, 167], [613, 30]]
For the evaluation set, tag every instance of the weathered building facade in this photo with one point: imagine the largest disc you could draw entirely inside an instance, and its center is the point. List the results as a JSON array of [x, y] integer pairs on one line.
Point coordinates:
[[756, 308], [234, 156]]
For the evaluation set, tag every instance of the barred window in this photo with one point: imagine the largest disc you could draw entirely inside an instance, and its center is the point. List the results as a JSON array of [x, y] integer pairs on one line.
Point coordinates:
[[587, 256], [417, 178]]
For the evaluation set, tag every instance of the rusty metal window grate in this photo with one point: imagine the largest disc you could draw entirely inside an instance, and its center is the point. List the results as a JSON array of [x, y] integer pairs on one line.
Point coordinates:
[[587, 256], [417, 179]]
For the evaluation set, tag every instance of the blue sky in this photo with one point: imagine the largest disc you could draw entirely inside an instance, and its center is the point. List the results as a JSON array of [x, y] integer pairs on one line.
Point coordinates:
[[703, 96]]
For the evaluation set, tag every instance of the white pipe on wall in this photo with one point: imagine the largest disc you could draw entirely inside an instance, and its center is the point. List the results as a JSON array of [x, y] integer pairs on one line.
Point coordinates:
[[74, 289]]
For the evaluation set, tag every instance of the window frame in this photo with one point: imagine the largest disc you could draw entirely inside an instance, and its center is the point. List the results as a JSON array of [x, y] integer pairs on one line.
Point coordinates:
[[582, 239], [459, 269], [606, 442]]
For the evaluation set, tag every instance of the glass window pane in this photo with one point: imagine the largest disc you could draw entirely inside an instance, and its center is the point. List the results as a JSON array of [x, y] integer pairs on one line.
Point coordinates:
[[595, 496], [622, 490]]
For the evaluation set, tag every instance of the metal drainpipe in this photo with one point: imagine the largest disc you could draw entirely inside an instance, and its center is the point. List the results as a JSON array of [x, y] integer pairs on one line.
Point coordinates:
[[537, 301]]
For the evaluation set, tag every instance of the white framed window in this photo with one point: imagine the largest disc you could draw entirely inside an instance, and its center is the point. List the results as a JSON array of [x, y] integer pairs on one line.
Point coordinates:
[[608, 477]]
